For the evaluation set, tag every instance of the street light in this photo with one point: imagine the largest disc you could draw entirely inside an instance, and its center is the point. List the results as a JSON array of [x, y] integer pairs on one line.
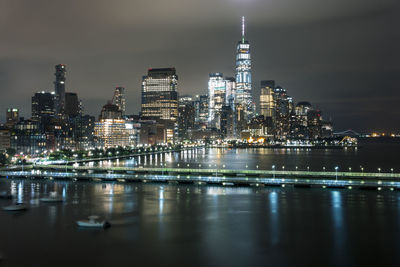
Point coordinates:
[[379, 170], [336, 169], [308, 168], [349, 169], [323, 168]]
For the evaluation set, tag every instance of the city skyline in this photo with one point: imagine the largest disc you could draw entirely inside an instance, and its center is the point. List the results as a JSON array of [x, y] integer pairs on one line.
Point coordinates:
[[342, 90]]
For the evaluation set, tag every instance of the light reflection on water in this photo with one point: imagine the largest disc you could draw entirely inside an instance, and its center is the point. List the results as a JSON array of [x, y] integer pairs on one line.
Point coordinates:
[[369, 156], [265, 224]]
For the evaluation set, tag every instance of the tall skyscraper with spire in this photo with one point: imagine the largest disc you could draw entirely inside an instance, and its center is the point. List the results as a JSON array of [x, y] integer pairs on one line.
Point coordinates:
[[243, 76]]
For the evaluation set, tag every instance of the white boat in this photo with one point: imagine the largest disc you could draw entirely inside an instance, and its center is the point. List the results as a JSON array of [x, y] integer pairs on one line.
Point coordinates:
[[53, 198], [93, 223], [5, 195], [16, 207]]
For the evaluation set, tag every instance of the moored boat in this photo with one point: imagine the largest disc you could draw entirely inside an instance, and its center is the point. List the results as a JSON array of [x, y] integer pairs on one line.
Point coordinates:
[[16, 207], [93, 222]]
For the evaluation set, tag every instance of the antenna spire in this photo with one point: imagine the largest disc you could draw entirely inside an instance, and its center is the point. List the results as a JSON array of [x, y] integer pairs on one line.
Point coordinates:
[[243, 29]]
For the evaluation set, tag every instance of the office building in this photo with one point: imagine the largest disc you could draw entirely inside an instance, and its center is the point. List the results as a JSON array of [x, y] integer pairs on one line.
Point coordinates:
[[12, 117], [160, 95], [230, 92], [186, 118], [59, 88], [216, 99], [43, 108], [119, 99], [72, 105], [111, 130], [267, 101], [243, 76], [201, 109]]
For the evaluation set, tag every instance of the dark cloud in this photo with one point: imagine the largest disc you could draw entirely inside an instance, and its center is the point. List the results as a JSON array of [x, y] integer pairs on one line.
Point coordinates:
[[341, 55]]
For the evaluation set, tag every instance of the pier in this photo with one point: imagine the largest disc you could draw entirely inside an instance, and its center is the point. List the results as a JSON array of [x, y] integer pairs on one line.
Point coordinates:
[[199, 176]]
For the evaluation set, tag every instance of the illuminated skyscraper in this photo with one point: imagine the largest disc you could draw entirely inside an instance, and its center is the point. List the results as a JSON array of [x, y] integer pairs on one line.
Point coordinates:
[[160, 100], [12, 117], [216, 98], [43, 108], [111, 129], [201, 109], [119, 99], [159, 95], [59, 88], [230, 92], [267, 101], [243, 76]]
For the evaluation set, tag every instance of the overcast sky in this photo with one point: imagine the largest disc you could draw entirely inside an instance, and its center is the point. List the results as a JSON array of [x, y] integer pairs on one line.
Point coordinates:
[[341, 55]]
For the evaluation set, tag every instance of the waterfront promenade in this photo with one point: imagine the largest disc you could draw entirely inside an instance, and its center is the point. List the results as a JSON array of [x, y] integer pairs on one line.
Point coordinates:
[[224, 177]]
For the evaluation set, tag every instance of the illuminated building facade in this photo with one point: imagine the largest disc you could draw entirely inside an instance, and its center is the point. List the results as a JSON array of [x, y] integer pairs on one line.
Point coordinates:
[[301, 111], [119, 99], [216, 99], [27, 138], [159, 95], [201, 109], [267, 101], [12, 117], [5, 140], [111, 129], [59, 88], [243, 76], [43, 108], [230, 92], [112, 132], [283, 108], [186, 119]]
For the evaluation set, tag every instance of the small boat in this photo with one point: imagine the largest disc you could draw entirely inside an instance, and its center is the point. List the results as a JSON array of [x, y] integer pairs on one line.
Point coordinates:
[[5, 195], [53, 198], [16, 207], [93, 223]]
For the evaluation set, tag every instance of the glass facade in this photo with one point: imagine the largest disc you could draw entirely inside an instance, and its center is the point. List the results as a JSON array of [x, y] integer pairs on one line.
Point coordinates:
[[119, 99], [159, 95], [59, 88], [243, 76], [216, 98], [267, 101], [112, 132]]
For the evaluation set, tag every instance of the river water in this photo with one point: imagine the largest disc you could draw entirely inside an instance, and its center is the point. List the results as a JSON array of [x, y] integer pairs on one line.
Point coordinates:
[[372, 156], [188, 225]]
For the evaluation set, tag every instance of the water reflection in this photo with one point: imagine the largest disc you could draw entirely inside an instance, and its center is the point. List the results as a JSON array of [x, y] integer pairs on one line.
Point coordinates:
[[20, 194], [262, 223], [338, 225], [370, 156], [274, 217]]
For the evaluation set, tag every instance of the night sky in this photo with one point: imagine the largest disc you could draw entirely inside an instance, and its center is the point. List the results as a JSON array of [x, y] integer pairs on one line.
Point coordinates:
[[341, 55]]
